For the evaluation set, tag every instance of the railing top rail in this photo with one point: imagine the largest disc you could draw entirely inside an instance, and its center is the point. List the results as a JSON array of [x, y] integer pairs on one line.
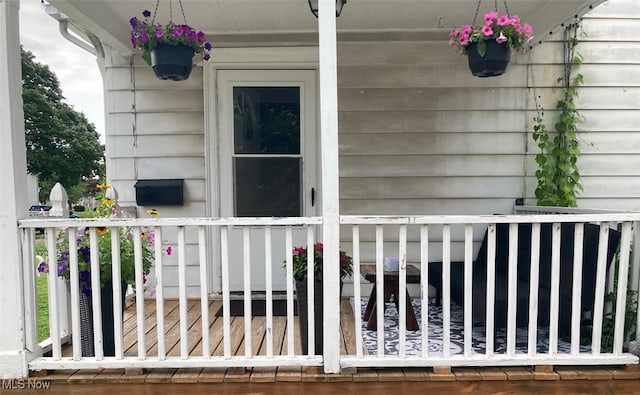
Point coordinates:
[[149, 222], [566, 210], [489, 219], [344, 219]]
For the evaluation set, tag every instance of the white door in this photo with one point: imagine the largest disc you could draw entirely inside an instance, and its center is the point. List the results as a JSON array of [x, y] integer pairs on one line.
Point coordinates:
[[268, 150]]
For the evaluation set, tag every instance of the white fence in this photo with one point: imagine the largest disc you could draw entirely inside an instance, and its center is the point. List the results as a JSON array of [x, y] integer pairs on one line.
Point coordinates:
[[567, 261], [546, 263]]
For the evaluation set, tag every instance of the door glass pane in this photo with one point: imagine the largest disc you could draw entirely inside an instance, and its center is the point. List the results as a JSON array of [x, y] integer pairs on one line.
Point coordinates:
[[266, 187], [266, 120]]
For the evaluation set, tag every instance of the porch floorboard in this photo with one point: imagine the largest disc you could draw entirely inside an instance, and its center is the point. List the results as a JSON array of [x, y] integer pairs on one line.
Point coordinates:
[[566, 376]]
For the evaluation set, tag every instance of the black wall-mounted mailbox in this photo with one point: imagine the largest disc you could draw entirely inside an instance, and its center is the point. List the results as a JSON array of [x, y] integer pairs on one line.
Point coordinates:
[[160, 192]]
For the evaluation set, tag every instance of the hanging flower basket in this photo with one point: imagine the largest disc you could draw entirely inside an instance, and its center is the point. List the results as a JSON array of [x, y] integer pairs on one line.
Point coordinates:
[[489, 47], [172, 62], [169, 48], [493, 63]]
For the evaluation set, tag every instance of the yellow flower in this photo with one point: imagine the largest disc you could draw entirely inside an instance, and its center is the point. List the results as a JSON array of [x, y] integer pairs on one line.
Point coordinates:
[[144, 237], [108, 202], [101, 230], [153, 211], [103, 186]]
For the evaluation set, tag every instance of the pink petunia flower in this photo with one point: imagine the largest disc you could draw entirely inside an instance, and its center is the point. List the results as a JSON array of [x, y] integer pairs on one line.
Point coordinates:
[[169, 250], [501, 38], [503, 20], [464, 40], [490, 16], [528, 30], [487, 30]]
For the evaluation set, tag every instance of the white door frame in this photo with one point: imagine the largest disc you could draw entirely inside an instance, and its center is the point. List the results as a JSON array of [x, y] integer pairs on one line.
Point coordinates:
[[263, 58]]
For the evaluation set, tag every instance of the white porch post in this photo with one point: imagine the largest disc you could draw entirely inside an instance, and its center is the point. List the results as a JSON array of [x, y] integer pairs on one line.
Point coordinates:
[[13, 197], [330, 201]]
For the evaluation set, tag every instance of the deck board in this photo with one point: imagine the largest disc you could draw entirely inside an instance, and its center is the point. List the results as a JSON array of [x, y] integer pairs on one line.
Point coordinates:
[[280, 331]]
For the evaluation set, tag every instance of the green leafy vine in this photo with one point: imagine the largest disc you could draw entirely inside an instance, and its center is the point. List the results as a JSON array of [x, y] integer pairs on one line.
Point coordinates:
[[558, 174]]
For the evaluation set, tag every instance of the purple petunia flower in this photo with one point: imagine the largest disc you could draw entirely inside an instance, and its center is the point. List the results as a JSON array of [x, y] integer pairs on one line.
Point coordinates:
[[63, 268], [206, 56], [85, 275], [143, 37], [133, 22], [43, 267], [146, 13], [208, 46]]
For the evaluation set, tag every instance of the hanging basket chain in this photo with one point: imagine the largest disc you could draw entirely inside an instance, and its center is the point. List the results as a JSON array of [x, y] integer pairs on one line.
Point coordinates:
[[185, 18], [495, 5], [155, 11]]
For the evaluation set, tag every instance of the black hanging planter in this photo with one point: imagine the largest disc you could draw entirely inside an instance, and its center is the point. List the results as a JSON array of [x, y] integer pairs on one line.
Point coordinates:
[[493, 63], [172, 62]]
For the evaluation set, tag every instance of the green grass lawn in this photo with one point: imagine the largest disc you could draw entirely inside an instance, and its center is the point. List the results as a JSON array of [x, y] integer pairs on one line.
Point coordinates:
[[42, 299], [42, 306]]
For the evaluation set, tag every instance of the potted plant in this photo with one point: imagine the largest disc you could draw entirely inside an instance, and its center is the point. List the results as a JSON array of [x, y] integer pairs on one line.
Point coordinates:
[[107, 208], [488, 48], [300, 277], [169, 48]]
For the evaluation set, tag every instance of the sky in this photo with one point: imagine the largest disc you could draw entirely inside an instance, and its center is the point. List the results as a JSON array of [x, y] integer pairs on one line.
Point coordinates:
[[76, 69]]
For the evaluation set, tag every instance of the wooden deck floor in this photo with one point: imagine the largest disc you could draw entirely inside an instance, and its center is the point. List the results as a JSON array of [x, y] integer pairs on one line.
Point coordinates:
[[194, 325], [540, 379]]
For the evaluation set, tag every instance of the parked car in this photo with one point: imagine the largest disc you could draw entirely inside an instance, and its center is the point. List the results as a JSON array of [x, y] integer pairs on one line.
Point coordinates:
[[42, 210], [39, 210]]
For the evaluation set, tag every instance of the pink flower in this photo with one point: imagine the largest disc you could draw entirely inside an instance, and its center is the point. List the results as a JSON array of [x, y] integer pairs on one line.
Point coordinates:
[[515, 20], [464, 40], [503, 20], [490, 16], [169, 250], [501, 38], [528, 31], [454, 33], [467, 29], [487, 30]]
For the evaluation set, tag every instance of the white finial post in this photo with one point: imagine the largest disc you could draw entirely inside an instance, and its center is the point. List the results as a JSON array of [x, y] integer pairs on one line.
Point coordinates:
[[59, 201]]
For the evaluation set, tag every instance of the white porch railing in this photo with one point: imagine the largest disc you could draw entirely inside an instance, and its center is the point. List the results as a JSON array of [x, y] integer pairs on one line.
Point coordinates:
[[418, 240], [448, 241], [188, 356]]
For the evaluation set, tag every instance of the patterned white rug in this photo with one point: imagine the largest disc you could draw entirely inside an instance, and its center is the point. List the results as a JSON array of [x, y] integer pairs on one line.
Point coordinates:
[[414, 338]]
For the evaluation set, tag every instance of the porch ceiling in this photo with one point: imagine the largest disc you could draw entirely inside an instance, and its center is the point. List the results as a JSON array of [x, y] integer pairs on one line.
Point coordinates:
[[109, 19]]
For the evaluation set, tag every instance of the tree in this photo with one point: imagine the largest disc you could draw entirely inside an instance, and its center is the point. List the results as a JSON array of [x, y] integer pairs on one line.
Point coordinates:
[[62, 145]]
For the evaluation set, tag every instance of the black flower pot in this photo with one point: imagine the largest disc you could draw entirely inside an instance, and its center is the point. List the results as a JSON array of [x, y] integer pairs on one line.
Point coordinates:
[[86, 320], [172, 62], [303, 312], [493, 63]]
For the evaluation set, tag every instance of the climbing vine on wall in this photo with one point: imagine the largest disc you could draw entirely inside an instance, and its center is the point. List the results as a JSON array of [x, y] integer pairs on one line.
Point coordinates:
[[558, 174]]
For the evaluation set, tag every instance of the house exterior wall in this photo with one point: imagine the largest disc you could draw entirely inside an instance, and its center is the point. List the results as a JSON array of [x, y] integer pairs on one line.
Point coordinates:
[[155, 131], [610, 103], [418, 134]]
